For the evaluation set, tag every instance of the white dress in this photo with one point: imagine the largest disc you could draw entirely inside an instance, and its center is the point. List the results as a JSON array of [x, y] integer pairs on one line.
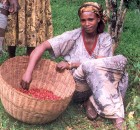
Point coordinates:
[[106, 77]]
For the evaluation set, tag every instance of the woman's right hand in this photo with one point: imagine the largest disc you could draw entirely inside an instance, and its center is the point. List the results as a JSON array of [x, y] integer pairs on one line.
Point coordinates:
[[34, 58], [26, 80]]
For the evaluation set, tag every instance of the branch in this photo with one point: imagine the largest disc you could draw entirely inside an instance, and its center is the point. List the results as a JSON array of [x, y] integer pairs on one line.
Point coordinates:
[[108, 15], [116, 16], [119, 18], [122, 23]]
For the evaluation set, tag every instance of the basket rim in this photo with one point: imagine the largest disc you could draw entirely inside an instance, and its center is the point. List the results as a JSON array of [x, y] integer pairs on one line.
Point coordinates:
[[25, 95], [32, 98]]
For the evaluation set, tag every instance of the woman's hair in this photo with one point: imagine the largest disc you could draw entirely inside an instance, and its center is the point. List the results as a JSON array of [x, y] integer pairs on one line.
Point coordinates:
[[97, 9], [101, 27]]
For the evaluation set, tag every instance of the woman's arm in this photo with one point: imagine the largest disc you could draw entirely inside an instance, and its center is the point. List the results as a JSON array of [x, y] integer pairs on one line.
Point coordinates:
[[67, 65], [74, 64], [34, 57], [14, 6], [61, 45]]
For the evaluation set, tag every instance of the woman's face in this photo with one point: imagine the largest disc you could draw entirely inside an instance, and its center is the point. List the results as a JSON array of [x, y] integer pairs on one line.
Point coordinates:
[[89, 22]]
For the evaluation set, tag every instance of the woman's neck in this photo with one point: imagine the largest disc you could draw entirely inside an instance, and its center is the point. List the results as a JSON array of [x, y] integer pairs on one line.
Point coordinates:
[[90, 40], [90, 35]]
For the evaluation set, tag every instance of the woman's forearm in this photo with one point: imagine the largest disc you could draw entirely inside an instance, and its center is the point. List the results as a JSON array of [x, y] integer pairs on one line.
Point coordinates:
[[74, 65], [36, 55]]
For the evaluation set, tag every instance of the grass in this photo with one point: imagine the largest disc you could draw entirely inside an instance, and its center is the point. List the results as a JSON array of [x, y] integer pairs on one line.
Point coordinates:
[[65, 18]]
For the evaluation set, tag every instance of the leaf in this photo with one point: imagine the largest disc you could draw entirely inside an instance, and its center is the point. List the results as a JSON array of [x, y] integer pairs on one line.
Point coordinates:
[[136, 79], [131, 115], [69, 128]]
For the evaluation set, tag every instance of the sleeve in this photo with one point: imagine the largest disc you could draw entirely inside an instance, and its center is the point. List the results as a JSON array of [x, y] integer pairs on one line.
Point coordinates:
[[62, 44], [105, 46], [79, 74]]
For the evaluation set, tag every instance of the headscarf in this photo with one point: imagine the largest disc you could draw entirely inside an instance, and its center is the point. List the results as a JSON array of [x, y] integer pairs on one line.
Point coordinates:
[[93, 7]]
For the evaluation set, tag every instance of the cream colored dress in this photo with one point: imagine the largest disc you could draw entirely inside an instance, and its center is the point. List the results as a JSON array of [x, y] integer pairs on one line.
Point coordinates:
[[106, 77], [108, 82]]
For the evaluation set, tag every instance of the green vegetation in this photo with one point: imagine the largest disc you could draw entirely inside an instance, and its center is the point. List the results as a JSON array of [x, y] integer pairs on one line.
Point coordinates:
[[65, 18]]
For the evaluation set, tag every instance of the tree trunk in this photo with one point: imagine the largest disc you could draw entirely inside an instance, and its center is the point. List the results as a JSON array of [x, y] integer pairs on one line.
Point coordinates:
[[116, 20]]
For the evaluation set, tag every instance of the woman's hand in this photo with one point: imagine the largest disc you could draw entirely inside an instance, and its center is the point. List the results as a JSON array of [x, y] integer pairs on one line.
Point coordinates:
[[34, 58], [26, 80], [61, 66], [14, 6]]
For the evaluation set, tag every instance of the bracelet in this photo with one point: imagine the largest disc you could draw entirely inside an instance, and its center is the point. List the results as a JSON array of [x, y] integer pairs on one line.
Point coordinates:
[[70, 65]]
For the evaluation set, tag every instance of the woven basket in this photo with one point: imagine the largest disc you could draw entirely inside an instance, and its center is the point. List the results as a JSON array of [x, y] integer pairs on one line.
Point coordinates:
[[29, 109]]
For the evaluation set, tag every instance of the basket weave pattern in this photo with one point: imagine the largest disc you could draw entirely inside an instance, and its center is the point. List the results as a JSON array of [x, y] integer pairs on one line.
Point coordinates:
[[29, 109]]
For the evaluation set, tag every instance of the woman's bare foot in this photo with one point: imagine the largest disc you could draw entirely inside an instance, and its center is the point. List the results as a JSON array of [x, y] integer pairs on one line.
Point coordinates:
[[90, 110], [118, 123]]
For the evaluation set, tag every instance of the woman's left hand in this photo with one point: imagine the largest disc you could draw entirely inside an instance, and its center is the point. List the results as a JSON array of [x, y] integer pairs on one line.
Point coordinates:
[[61, 66], [14, 6]]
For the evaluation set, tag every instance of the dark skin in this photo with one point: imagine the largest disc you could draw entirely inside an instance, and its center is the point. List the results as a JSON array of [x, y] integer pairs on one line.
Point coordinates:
[[89, 22], [61, 66], [14, 6]]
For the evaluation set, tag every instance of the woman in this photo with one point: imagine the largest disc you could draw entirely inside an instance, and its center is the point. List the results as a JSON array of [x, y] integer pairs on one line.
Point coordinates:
[[6, 7], [81, 48], [30, 26]]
